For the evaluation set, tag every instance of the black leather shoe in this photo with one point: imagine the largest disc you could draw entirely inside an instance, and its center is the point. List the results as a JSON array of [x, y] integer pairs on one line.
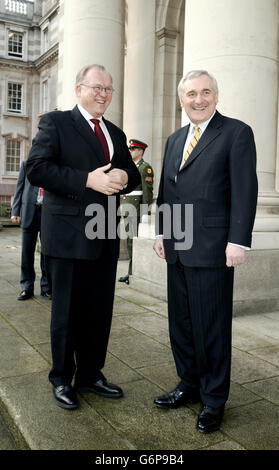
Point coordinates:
[[103, 388], [46, 294], [65, 396], [210, 419], [176, 398], [25, 295], [124, 279]]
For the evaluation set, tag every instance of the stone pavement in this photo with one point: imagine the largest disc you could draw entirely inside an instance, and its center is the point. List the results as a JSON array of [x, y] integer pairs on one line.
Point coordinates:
[[140, 360]]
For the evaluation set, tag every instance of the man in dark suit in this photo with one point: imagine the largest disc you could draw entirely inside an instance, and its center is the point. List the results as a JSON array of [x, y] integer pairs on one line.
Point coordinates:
[[83, 163], [26, 210], [209, 172]]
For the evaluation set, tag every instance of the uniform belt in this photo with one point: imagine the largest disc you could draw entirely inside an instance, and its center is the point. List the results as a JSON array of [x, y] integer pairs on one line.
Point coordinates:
[[135, 193]]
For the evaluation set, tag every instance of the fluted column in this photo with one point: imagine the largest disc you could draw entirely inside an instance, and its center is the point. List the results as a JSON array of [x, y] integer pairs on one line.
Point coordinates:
[[139, 80], [139, 72], [91, 32], [237, 41]]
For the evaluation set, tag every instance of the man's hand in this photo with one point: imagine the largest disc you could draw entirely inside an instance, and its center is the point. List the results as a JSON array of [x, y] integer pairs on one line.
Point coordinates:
[[106, 183], [119, 176], [158, 247], [15, 219], [235, 255]]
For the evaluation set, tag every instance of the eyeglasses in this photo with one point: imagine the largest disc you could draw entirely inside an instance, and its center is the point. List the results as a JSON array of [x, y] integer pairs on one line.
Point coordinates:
[[99, 89]]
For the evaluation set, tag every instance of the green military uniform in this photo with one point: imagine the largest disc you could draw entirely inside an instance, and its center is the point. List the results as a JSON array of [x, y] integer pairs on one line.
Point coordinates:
[[142, 195]]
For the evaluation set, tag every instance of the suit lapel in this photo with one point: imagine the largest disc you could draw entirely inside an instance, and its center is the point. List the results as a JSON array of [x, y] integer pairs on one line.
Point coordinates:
[[179, 147], [212, 131], [113, 137], [87, 134]]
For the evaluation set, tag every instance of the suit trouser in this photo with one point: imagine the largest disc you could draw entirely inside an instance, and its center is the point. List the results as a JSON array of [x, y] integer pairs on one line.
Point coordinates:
[[29, 240], [200, 321], [82, 304], [132, 230]]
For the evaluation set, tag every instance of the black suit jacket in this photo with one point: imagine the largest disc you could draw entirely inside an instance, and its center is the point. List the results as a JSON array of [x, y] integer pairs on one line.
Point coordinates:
[[25, 198], [219, 181], [64, 151]]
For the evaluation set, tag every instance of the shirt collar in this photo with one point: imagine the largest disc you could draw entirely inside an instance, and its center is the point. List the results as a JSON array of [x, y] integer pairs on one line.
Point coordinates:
[[86, 114], [202, 125]]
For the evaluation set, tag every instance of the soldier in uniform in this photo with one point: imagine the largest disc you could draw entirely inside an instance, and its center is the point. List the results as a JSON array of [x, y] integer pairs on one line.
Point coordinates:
[[142, 194]]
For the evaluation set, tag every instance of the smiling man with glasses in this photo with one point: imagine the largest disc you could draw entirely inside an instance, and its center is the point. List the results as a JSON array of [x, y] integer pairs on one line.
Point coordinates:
[[81, 160]]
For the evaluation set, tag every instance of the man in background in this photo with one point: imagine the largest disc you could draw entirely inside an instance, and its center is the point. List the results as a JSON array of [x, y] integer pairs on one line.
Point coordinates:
[[26, 210], [141, 198]]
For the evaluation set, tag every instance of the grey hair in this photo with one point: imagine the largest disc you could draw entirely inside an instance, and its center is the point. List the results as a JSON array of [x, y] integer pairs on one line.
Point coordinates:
[[195, 74], [82, 73]]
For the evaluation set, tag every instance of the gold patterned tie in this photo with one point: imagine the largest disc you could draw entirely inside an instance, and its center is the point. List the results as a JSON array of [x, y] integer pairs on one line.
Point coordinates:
[[193, 143]]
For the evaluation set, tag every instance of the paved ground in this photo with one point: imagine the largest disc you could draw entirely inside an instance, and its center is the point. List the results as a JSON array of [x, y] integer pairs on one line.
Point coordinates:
[[6, 439], [140, 360]]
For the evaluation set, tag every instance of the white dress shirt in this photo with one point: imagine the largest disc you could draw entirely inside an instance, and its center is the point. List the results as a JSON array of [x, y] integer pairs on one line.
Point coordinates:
[[88, 116]]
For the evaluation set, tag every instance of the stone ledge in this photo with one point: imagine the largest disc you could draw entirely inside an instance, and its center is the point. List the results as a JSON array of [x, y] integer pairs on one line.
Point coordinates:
[[256, 286]]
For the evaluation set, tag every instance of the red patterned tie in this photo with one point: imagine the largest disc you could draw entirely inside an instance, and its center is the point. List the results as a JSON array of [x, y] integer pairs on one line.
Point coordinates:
[[99, 133]]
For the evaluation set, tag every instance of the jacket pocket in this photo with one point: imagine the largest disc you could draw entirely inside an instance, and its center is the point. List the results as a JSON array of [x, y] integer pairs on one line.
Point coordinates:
[[216, 221], [63, 210]]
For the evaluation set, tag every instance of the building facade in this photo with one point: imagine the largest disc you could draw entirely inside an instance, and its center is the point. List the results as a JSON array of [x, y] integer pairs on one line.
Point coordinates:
[[147, 45], [28, 80]]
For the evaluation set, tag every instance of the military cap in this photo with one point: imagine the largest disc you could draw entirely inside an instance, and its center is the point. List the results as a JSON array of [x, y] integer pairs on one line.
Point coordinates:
[[137, 144]]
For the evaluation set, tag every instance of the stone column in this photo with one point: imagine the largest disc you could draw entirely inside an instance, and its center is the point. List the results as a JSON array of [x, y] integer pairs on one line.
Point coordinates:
[[139, 79], [163, 55], [238, 43], [139, 72], [91, 32]]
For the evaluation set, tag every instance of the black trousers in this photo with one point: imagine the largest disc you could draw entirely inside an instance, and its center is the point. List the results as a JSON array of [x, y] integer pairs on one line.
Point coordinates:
[[82, 304], [132, 230], [200, 321], [28, 246]]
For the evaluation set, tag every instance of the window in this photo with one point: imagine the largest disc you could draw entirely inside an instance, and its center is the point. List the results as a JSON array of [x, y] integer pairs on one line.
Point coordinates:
[[45, 40], [5, 199], [45, 96], [15, 44], [13, 156], [15, 97]]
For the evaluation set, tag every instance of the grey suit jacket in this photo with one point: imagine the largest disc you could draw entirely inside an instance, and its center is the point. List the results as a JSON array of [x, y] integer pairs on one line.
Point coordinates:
[[25, 199]]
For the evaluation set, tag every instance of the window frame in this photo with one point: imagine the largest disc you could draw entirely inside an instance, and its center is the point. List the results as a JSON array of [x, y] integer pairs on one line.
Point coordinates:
[[16, 29], [45, 95], [13, 111], [13, 54], [17, 158], [45, 37]]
